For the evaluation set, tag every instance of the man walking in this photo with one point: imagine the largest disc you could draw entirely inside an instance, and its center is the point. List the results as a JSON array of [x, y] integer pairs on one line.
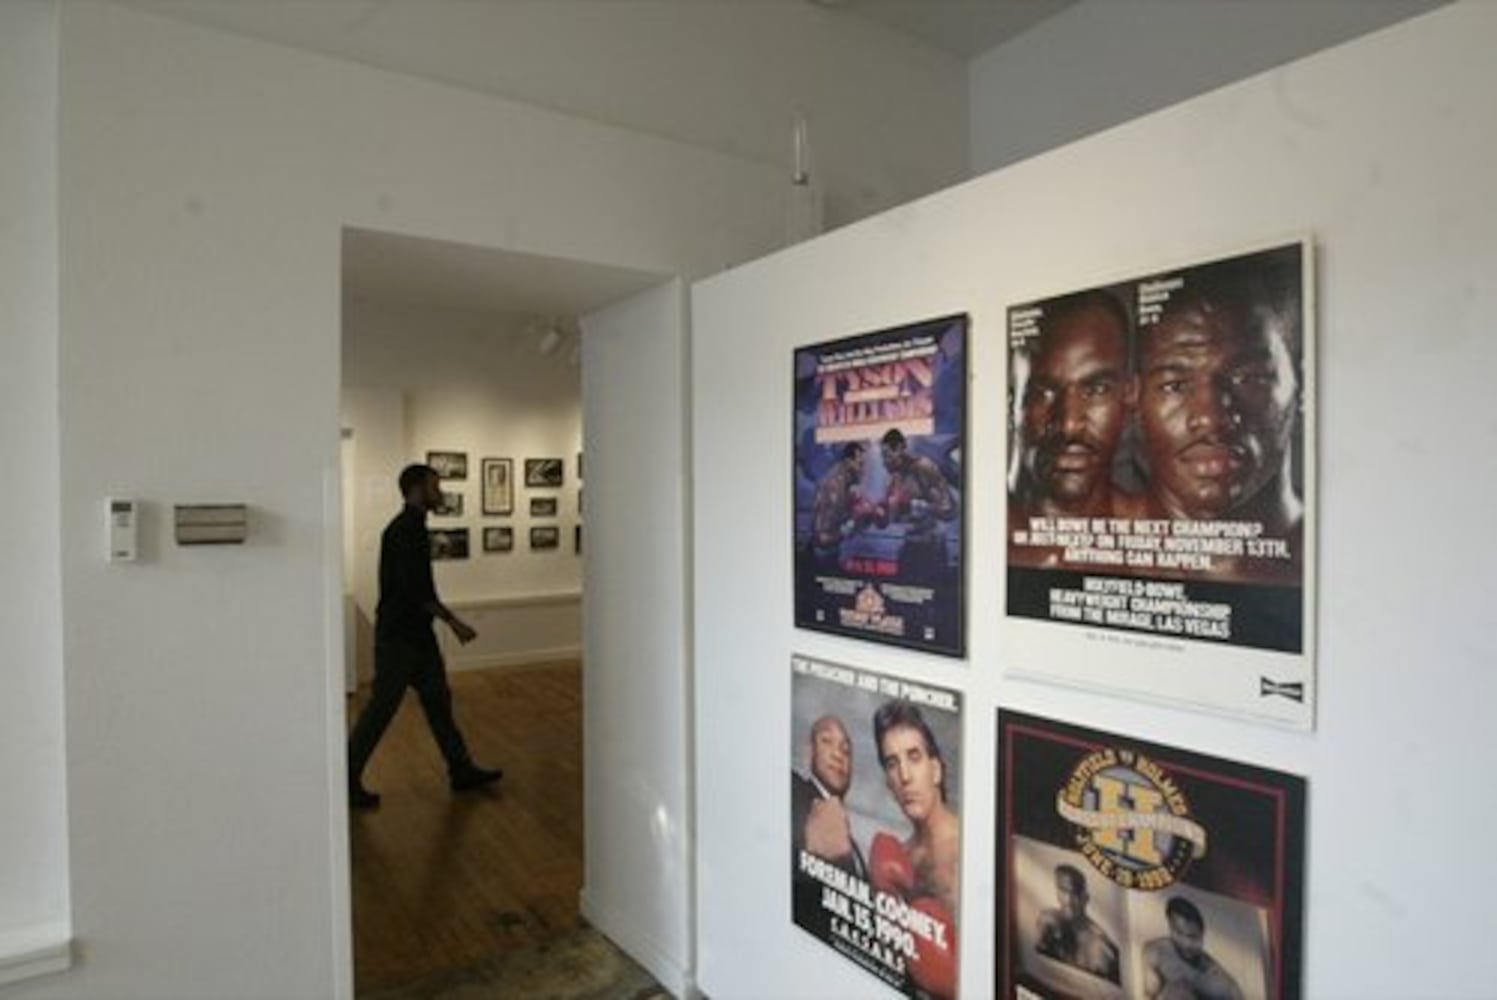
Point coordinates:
[[405, 647]]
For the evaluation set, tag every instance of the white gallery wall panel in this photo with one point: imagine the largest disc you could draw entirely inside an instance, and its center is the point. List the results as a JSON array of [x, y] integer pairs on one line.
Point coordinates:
[[1384, 151]]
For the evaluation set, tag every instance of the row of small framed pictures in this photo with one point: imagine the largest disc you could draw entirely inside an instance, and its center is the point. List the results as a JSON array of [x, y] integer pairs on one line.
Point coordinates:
[[452, 506], [499, 493], [452, 543]]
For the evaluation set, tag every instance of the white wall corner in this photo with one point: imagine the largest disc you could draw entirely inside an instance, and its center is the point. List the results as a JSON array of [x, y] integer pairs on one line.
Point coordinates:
[[35, 951], [626, 933]]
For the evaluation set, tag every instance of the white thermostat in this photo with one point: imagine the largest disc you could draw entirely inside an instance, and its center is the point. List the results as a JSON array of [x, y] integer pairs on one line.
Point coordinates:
[[124, 522]]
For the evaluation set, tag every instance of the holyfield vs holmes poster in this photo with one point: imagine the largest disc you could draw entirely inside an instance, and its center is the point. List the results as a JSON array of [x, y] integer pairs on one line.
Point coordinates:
[[1130, 869], [880, 429], [1161, 501], [875, 822]]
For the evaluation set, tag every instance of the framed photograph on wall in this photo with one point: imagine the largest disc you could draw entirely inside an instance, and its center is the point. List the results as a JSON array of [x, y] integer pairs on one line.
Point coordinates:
[[548, 537], [543, 506], [449, 543], [880, 427], [449, 464], [893, 859], [498, 539], [498, 486], [451, 504], [1127, 869], [544, 472], [1161, 485]]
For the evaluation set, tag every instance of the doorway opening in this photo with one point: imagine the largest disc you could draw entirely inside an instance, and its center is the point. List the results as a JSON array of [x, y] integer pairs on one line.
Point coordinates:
[[469, 359]]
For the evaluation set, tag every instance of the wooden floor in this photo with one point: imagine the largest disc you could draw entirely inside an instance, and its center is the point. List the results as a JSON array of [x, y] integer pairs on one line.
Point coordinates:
[[441, 881]]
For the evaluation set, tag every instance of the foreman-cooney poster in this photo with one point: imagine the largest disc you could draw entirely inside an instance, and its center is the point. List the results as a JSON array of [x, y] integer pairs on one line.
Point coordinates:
[[880, 428], [1161, 485], [1130, 869], [875, 822]]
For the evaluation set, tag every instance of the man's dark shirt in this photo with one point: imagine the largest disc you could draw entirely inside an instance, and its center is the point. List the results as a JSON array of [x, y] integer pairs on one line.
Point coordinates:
[[406, 588]]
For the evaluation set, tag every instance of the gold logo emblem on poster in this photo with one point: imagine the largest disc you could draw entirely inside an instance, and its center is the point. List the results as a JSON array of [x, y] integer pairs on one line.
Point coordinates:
[[1132, 821]]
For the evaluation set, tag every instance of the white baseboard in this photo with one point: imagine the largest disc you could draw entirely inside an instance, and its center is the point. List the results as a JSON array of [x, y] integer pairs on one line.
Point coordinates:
[[38, 951], [520, 658], [623, 932]]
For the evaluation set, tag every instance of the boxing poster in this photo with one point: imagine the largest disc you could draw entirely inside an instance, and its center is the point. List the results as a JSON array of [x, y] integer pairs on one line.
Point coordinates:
[[1131, 869], [1160, 478], [875, 822], [880, 427]]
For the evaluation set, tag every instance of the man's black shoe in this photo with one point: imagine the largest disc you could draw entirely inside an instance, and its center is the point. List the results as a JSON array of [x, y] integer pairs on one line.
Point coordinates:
[[360, 797], [474, 776]]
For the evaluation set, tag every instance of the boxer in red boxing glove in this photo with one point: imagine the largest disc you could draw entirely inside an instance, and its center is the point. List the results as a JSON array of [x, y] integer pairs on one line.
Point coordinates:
[[923, 869], [919, 498], [889, 867]]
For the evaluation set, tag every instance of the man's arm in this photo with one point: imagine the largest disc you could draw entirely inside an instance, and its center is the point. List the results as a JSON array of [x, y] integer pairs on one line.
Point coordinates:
[[1153, 975], [465, 633], [1220, 984], [936, 491], [415, 572]]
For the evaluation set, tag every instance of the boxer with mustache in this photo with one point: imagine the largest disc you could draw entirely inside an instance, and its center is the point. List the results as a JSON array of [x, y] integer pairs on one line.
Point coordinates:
[[1074, 398], [1218, 395]]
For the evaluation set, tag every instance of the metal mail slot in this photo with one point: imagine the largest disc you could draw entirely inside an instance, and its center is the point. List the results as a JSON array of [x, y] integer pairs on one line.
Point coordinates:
[[212, 524]]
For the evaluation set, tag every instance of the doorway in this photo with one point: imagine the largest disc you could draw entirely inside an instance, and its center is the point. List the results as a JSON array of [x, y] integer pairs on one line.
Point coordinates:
[[470, 359]]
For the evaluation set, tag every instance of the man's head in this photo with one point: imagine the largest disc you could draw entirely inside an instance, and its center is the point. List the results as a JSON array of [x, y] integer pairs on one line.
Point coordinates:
[[1187, 928], [852, 457], [907, 749], [831, 754], [894, 450], [1217, 398], [421, 486], [1075, 401], [1070, 891]]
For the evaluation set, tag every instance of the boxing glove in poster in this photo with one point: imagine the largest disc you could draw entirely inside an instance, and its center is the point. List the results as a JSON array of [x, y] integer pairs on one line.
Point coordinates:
[[875, 822], [1130, 869], [1160, 535], [880, 430]]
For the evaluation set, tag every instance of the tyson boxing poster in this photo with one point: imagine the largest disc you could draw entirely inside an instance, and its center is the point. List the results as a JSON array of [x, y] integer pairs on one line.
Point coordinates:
[[1131, 869], [875, 822], [880, 486], [1161, 485]]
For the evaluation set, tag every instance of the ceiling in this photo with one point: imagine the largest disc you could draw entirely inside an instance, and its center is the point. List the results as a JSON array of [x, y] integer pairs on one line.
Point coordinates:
[[408, 270], [964, 28]]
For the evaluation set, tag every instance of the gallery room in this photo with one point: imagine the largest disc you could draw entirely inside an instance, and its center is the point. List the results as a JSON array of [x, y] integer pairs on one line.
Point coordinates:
[[1030, 440]]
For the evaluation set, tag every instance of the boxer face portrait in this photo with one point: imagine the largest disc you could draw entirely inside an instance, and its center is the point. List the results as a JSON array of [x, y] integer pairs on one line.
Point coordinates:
[[1188, 937], [1075, 401], [1070, 893], [831, 755], [1217, 400], [912, 772]]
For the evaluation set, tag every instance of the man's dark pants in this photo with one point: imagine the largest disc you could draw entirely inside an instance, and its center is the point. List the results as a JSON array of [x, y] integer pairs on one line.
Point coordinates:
[[399, 664]]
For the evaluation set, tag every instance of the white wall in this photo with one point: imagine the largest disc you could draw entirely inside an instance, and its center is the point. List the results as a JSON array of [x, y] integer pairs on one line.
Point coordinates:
[[473, 382], [636, 687], [33, 833], [1100, 63], [205, 182], [1384, 149], [887, 113]]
